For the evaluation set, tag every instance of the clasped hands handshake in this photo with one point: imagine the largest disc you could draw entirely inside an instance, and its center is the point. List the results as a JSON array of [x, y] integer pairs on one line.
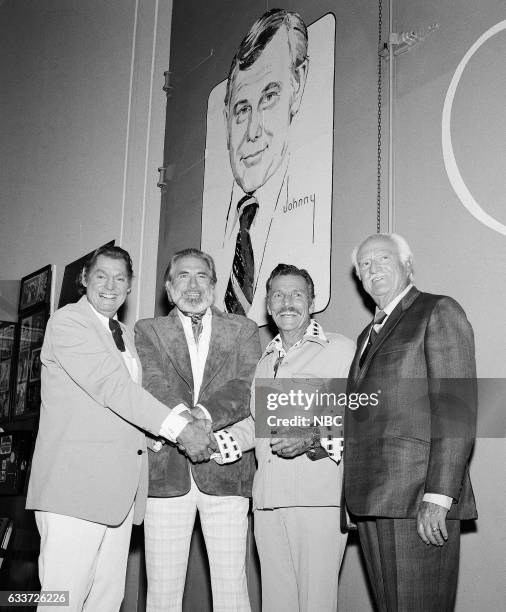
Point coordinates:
[[197, 440]]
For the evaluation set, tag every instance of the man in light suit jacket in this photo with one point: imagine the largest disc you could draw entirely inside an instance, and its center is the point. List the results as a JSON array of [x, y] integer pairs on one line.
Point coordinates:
[[201, 359], [89, 471], [406, 460]]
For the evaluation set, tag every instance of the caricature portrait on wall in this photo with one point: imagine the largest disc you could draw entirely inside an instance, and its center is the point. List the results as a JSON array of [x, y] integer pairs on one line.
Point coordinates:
[[269, 152]]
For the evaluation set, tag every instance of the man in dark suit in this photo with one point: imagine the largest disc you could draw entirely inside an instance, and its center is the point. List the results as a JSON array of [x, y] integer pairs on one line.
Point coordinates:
[[406, 459], [200, 360]]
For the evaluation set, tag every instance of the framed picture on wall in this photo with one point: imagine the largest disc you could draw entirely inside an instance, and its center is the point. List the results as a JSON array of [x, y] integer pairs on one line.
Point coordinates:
[[284, 171], [35, 289], [15, 458], [7, 360], [26, 399]]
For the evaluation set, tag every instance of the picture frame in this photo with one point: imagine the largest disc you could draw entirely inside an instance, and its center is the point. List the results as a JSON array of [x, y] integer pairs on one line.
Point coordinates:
[[8, 336], [25, 400], [15, 460], [35, 289]]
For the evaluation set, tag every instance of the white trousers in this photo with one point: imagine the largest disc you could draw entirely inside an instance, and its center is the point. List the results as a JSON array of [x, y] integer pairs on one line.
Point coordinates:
[[168, 528], [87, 559], [300, 551]]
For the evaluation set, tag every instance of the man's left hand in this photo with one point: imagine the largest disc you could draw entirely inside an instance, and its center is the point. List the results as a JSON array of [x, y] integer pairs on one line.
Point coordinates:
[[299, 442], [431, 523]]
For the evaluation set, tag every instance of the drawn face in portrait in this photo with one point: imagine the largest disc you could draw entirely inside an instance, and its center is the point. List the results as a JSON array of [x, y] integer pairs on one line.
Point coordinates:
[[264, 99]]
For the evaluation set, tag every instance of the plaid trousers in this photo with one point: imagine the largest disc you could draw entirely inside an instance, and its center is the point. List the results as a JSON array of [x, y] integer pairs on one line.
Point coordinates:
[[168, 528]]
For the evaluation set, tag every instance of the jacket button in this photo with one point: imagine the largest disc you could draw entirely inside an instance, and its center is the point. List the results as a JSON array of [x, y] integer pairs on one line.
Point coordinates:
[[139, 452]]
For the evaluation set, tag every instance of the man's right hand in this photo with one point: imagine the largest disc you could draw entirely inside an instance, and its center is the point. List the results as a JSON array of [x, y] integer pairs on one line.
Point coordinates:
[[195, 440]]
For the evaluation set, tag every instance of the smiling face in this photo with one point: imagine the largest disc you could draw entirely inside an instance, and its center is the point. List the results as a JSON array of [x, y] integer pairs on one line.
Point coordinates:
[[107, 285], [264, 99], [384, 276], [290, 306], [190, 287]]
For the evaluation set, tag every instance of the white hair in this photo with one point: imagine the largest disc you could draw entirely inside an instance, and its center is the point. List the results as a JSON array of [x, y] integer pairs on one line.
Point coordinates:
[[403, 249]]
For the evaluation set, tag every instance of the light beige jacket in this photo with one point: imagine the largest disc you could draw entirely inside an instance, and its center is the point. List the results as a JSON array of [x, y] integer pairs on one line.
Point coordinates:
[[90, 455], [281, 482]]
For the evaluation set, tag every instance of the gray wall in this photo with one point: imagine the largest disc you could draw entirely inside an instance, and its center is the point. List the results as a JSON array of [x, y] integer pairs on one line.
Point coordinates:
[[82, 133]]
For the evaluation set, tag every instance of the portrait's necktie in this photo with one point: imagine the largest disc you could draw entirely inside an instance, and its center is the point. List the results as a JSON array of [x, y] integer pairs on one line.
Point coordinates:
[[239, 294], [379, 317], [117, 334]]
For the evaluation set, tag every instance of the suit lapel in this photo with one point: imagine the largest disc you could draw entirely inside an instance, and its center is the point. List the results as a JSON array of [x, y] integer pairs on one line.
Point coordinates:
[[223, 335], [171, 334], [387, 329], [355, 368]]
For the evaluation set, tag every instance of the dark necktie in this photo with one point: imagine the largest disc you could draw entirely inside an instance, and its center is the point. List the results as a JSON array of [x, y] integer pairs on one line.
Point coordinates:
[[379, 317], [117, 334], [239, 294]]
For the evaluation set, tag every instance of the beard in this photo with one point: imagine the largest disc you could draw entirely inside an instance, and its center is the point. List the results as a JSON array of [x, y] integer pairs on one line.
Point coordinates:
[[193, 301]]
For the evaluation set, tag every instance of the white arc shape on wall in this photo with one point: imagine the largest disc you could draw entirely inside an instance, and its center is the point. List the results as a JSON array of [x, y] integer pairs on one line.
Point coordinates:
[[451, 166]]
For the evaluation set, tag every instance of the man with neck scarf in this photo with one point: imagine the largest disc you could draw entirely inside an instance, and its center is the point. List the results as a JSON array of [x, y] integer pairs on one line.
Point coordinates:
[[201, 360]]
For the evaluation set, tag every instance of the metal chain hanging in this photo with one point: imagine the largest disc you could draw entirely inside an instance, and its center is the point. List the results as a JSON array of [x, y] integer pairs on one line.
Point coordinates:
[[380, 84]]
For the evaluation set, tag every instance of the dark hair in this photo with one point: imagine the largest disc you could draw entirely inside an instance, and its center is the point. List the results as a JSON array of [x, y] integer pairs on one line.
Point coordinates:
[[261, 33], [286, 270], [190, 253], [114, 252]]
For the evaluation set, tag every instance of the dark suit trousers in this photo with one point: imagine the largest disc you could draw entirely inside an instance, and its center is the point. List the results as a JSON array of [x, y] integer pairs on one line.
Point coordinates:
[[407, 575]]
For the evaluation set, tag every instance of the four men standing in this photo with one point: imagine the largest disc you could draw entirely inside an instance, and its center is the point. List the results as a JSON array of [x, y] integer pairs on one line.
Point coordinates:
[[406, 478]]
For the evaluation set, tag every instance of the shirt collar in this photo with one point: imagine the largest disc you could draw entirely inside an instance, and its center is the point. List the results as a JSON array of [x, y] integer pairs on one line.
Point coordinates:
[[389, 308], [104, 320], [186, 319], [314, 333]]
